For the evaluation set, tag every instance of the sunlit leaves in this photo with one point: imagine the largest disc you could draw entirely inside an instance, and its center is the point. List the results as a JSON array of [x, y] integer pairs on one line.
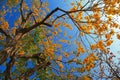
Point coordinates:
[[67, 26], [74, 8], [86, 28], [29, 41], [21, 52], [61, 65], [118, 36], [79, 16], [89, 61], [55, 33], [14, 30], [64, 41], [80, 49], [108, 36], [49, 49], [4, 25], [57, 24], [111, 7], [66, 55], [25, 6], [96, 16], [109, 42], [93, 46], [86, 78], [1, 37]]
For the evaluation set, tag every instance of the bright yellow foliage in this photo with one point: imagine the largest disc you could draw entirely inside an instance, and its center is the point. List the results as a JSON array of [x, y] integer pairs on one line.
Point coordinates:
[[89, 61], [101, 46], [92, 23], [56, 25], [4, 25], [108, 36], [93, 46], [21, 52], [14, 30], [118, 36], [61, 65], [109, 42], [55, 33], [86, 78], [64, 41], [74, 8], [96, 16], [81, 50], [1, 37], [66, 55], [49, 48], [68, 26]]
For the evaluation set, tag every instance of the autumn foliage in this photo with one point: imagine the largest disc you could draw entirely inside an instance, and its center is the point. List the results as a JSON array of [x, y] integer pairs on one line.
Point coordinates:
[[59, 44]]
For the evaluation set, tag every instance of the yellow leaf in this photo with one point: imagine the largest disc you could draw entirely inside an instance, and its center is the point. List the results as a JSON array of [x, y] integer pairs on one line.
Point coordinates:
[[93, 46], [21, 52], [108, 36], [86, 78], [109, 42], [59, 57], [68, 26], [55, 33], [91, 65], [4, 25], [64, 41], [118, 36], [1, 37], [66, 55], [61, 65], [14, 30]]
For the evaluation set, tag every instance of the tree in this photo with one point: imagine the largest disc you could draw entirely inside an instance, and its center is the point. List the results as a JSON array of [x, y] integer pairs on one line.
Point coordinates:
[[34, 44]]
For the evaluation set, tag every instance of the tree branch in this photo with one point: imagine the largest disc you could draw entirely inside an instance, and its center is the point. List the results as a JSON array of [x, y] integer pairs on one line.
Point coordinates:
[[8, 75], [115, 73], [31, 71], [28, 56], [28, 15], [47, 24], [26, 30], [21, 12], [3, 32]]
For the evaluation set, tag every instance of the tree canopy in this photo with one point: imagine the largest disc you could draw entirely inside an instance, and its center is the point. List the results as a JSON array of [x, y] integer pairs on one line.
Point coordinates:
[[72, 42]]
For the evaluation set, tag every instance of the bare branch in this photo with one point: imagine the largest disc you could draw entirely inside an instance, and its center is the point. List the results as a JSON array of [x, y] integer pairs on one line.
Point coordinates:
[[3, 32], [115, 73], [26, 30], [28, 15], [47, 24], [21, 12]]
